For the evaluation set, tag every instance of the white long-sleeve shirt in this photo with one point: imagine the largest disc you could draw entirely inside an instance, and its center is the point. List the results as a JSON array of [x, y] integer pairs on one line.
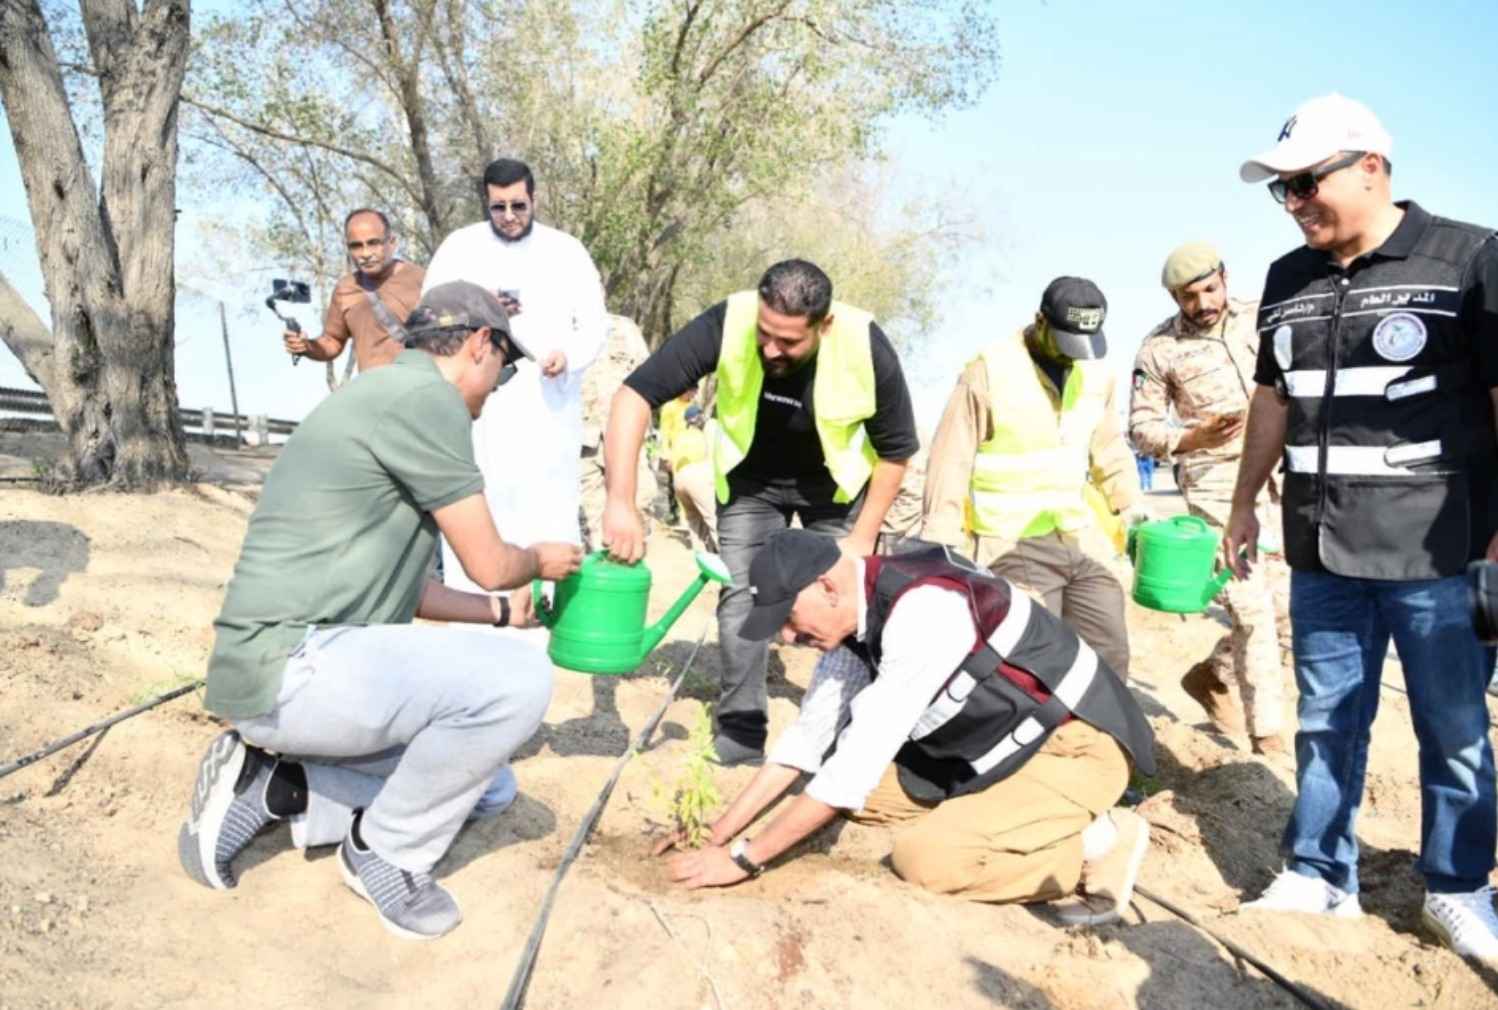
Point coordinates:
[[528, 439], [926, 637]]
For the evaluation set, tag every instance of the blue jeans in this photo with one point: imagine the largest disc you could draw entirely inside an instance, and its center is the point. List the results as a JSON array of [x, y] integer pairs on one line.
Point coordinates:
[[1342, 628]]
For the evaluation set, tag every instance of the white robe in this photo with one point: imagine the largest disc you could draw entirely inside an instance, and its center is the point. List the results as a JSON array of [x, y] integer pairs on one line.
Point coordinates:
[[528, 439]]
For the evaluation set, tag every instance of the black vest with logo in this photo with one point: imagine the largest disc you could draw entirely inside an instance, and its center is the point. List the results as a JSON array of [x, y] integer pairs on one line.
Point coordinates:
[[1389, 448], [1026, 674]]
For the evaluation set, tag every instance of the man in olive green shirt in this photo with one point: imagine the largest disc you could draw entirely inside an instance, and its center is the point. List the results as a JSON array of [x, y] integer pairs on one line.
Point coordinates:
[[351, 722]]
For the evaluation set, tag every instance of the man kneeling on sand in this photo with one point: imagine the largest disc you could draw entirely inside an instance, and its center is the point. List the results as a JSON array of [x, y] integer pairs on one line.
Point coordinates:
[[351, 722], [949, 705]]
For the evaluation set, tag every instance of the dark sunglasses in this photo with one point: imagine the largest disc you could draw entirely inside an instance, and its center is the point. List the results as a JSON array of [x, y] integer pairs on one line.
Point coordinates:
[[506, 374], [1307, 184], [517, 207]]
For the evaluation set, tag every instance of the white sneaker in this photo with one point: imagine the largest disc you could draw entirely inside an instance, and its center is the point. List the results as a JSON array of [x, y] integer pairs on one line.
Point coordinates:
[[1464, 922], [1297, 892]]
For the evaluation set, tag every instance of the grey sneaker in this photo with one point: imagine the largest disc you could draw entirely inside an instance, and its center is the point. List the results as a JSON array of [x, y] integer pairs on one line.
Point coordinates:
[[413, 906], [729, 752], [228, 810]]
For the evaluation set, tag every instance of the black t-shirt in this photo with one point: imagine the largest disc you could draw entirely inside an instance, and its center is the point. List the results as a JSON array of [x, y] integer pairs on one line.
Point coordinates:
[[786, 446]]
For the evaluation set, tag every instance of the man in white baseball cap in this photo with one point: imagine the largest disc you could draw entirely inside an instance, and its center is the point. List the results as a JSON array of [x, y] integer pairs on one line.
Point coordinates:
[[1376, 382], [1324, 126]]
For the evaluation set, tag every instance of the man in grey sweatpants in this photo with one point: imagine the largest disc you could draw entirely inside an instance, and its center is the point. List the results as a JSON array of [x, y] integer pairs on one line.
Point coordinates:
[[350, 722]]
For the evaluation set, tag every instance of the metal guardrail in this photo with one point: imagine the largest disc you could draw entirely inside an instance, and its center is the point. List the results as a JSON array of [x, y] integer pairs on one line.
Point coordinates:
[[34, 402]]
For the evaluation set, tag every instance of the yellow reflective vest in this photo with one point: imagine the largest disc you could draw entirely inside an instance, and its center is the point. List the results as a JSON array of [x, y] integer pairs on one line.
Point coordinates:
[[1030, 475], [842, 394]]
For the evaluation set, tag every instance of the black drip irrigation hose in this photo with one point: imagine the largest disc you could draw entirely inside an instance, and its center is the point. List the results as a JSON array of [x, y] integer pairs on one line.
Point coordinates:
[[1232, 948], [515, 996], [98, 727]]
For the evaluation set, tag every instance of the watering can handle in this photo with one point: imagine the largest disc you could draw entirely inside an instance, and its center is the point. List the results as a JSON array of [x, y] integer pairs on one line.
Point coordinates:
[[1197, 523], [544, 613]]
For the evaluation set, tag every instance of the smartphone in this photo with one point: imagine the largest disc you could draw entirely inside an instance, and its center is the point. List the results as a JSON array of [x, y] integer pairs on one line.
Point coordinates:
[[290, 291]]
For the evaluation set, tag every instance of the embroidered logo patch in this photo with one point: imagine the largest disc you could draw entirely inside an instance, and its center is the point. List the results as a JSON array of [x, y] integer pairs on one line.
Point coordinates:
[[1399, 337], [1283, 349], [1085, 319], [1288, 128]]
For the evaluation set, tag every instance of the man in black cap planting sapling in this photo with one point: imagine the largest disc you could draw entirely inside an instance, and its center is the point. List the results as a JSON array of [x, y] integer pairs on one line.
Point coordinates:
[[953, 708], [357, 726]]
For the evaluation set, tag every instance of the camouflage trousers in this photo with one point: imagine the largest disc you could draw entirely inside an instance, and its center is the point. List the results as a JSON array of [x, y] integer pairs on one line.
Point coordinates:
[[1252, 653], [594, 494]]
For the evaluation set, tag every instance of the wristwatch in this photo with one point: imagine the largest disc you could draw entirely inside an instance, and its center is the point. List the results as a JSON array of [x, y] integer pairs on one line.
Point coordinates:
[[504, 612], [739, 853]]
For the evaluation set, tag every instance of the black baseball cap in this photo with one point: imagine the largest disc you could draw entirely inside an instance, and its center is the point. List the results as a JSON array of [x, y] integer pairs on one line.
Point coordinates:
[[463, 304], [1075, 309], [789, 561]]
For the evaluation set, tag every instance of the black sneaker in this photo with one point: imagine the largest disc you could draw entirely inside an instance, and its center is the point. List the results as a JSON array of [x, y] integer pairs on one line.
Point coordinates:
[[410, 905], [228, 810]]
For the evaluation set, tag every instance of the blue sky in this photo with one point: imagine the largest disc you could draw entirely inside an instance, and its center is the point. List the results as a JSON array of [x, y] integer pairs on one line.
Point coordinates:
[[1113, 134]]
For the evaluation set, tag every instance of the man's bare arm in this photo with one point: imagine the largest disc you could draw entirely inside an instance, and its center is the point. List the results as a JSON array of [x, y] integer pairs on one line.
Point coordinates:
[[884, 486], [487, 560], [1263, 444]]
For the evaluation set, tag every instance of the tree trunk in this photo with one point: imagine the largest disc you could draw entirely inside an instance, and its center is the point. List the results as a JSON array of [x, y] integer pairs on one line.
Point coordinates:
[[107, 261]]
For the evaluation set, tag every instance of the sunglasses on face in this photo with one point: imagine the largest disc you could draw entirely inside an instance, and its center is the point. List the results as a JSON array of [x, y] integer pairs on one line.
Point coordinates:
[[506, 374], [1307, 184], [517, 207]]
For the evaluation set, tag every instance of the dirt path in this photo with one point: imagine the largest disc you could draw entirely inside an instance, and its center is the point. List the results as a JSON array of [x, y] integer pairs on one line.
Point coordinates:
[[107, 599]]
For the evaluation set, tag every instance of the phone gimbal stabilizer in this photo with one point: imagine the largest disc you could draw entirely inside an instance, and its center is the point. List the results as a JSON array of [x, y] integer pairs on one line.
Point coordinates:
[[295, 292]]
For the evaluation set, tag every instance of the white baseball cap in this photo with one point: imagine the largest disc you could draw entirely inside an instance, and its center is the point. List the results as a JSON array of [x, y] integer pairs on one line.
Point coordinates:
[[1320, 128]]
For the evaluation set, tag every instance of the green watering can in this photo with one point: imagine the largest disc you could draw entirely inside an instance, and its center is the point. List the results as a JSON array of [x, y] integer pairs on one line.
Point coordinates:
[[1173, 560], [597, 620]]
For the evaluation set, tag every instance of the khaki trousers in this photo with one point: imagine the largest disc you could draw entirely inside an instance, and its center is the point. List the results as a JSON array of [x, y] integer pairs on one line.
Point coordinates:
[[699, 506], [1250, 653], [1018, 840], [1065, 573]]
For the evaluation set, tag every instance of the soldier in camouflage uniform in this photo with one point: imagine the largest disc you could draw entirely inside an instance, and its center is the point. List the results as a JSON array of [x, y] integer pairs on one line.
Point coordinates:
[[621, 355], [1201, 362]]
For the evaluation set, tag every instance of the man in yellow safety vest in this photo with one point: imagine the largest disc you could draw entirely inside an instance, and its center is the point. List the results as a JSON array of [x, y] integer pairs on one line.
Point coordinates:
[[813, 422], [1031, 421]]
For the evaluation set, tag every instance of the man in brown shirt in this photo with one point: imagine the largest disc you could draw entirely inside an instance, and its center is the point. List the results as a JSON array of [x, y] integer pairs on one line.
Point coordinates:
[[397, 284]]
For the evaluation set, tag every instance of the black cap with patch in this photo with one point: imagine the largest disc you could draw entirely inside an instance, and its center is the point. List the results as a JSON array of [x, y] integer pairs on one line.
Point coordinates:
[[789, 561], [1075, 309]]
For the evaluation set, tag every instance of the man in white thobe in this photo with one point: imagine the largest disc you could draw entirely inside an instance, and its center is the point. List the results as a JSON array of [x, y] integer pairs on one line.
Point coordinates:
[[527, 442]]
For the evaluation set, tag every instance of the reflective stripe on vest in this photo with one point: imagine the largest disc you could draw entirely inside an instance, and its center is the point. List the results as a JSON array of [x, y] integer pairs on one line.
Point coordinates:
[[1029, 475], [951, 699], [843, 395], [1069, 692], [1363, 460], [1375, 380]]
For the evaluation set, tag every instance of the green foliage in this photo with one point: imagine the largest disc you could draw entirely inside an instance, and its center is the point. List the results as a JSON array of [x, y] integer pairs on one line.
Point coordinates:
[[685, 142], [694, 795]]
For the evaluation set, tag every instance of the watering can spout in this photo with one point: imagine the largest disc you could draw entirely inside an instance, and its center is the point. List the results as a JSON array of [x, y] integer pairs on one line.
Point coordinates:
[[710, 568], [1209, 593]]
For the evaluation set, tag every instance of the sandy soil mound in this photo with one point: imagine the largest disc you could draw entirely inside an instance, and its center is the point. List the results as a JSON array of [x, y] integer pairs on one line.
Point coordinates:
[[105, 600]]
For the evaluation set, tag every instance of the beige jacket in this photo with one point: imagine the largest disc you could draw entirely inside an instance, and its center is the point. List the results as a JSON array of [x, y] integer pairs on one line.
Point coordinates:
[[967, 422]]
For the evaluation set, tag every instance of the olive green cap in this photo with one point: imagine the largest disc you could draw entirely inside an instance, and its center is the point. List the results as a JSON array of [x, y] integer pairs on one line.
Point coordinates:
[[1189, 264]]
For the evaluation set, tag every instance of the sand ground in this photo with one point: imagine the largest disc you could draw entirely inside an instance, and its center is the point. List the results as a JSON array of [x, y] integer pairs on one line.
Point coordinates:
[[108, 599]]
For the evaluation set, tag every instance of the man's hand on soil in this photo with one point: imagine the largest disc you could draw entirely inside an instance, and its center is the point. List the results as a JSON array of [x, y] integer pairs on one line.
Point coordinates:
[[711, 866]]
